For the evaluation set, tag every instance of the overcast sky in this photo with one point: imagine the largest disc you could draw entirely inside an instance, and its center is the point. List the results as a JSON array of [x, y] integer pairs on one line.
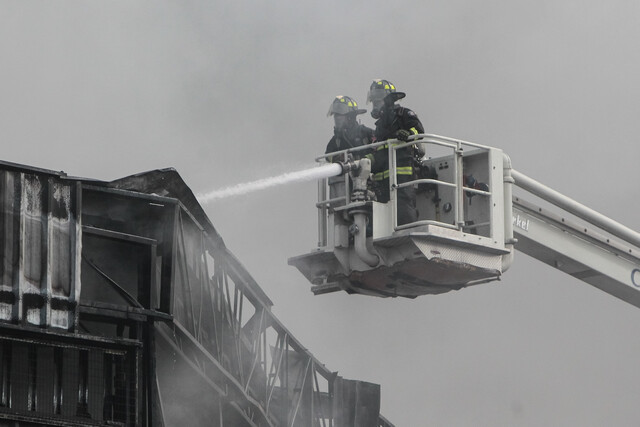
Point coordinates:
[[228, 92]]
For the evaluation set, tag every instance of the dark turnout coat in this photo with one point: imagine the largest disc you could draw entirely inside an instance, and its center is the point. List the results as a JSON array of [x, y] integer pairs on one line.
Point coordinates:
[[387, 126], [353, 136]]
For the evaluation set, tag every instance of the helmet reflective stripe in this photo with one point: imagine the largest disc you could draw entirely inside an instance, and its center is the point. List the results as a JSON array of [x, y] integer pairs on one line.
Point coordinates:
[[344, 105], [379, 89]]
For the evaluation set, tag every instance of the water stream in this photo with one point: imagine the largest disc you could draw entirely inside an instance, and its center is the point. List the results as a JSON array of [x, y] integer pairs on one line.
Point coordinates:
[[310, 174]]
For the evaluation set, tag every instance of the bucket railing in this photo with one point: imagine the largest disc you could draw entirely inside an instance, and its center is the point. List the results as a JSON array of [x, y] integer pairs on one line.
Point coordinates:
[[448, 148]]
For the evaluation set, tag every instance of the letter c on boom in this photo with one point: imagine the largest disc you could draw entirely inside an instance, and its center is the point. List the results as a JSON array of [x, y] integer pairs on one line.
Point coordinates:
[[635, 277]]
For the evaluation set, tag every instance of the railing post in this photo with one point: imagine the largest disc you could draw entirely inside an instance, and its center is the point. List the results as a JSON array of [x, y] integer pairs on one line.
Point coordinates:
[[459, 190], [322, 213], [347, 181], [393, 183]]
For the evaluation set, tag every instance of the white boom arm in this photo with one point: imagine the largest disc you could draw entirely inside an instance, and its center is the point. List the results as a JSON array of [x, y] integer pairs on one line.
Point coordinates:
[[587, 254]]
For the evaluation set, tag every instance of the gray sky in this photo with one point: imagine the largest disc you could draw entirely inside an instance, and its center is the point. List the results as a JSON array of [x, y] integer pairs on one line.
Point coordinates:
[[228, 92]]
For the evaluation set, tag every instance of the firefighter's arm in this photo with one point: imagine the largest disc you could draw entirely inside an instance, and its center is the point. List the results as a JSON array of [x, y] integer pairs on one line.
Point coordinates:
[[331, 147], [413, 123], [370, 152]]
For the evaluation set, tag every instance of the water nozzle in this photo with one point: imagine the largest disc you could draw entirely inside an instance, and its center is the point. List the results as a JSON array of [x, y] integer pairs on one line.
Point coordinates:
[[350, 166]]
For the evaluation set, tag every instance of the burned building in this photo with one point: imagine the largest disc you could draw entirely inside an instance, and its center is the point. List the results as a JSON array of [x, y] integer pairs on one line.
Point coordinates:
[[121, 305]]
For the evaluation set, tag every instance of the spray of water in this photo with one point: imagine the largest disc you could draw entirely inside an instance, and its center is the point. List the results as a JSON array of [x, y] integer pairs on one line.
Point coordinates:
[[316, 172]]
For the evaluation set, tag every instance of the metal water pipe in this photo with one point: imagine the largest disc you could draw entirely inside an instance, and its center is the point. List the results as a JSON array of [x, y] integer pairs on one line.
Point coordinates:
[[360, 174]]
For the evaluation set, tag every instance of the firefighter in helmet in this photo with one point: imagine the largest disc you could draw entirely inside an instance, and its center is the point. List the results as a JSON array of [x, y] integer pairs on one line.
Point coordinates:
[[347, 132], [394, 122]]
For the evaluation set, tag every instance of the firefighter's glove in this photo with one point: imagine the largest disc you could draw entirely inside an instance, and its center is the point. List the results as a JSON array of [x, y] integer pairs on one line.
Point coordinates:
[[403, 135]]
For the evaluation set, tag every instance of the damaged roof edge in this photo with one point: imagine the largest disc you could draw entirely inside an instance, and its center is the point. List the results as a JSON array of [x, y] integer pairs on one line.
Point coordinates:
[[168, 183], [165, 182], [4, 165], [33, 169]]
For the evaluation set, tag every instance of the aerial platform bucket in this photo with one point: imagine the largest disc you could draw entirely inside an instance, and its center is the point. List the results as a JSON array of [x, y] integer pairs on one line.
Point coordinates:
[[460, 237]]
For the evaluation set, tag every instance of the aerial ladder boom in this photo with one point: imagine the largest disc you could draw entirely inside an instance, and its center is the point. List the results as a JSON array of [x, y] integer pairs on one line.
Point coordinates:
[[607, 257]]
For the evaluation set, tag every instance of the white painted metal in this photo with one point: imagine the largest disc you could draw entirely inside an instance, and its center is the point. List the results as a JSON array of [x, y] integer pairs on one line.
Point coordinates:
[[576, 208], [459, 238], [613, 267]]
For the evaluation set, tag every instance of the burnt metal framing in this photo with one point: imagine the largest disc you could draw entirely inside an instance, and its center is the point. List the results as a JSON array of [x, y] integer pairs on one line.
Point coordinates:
[[143, 306], [67, 381], [250, 360], [192, 297]]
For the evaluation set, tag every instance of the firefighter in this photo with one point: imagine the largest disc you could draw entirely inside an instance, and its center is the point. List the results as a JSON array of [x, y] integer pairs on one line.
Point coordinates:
[[347, 132], [394, 122]]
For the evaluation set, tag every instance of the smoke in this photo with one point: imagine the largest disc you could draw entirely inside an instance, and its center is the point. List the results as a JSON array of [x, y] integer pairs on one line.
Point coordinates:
[[312, 173]]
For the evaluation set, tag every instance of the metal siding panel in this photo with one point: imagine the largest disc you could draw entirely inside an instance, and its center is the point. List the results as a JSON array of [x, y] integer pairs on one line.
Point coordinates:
[[10, 257], [77, 257], [61, 240], [33, 251]]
